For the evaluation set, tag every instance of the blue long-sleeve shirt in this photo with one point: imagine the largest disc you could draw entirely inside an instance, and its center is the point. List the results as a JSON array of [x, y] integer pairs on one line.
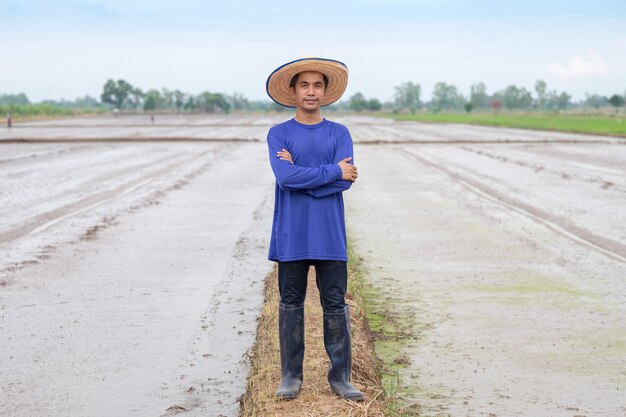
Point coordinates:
[[308, 207]]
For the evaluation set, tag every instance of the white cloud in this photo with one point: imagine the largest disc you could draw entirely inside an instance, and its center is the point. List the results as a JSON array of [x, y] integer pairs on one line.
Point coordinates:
[[579, 66]]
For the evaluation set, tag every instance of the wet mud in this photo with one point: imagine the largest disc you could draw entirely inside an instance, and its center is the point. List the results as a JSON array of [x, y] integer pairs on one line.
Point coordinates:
[[143, 299], [131, 269], [514, 309]]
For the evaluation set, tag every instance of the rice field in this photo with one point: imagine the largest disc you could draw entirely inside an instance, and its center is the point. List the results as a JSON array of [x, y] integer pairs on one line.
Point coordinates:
[[600, 125]]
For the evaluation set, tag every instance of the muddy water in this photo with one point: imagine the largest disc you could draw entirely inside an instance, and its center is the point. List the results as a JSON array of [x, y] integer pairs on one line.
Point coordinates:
[[46, 184], [512, 315], [149, 312]]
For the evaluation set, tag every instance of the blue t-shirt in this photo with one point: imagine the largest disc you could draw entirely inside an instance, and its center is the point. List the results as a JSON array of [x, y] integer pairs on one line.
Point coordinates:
[[308, 207]]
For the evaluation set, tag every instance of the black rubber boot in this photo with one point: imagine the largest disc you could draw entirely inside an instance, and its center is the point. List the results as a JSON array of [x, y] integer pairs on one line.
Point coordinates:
[[291, 334], [338, 343]]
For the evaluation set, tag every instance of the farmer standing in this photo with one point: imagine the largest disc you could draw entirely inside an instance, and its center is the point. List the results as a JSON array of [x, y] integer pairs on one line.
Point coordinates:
[[311, 158], [9, 120]]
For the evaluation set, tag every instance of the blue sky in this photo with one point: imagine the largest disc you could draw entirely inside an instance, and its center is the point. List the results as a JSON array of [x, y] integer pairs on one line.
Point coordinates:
[[66, 49]]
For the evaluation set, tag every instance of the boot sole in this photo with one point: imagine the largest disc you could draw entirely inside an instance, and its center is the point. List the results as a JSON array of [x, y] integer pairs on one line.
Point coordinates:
[[357, 398], [286, 396]]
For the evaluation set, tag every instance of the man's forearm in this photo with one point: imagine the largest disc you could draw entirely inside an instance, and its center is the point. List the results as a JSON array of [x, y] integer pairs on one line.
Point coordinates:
[[329, 189]]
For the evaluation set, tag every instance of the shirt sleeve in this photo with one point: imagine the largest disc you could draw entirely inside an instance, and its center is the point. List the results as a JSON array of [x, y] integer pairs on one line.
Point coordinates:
[[344, 150], [293, 177]]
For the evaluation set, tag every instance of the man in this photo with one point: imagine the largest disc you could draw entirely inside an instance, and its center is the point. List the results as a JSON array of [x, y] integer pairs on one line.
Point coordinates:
[[311, 160]]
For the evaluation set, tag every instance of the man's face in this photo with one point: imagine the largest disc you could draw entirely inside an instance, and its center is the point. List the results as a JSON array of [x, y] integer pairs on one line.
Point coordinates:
[[309, 90]]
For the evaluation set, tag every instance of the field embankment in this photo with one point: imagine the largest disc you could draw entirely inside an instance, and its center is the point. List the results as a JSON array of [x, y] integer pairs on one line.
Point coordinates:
[[315, 398]]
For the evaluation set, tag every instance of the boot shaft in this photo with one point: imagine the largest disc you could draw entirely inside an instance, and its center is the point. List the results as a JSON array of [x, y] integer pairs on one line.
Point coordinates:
[[338, 343], [291, 335]]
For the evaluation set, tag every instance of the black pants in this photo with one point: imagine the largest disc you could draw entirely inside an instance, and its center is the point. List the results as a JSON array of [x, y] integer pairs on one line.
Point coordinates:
[[331, 278]]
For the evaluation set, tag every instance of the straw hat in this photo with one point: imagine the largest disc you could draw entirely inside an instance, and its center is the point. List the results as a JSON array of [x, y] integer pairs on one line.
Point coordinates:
[[277, 85]]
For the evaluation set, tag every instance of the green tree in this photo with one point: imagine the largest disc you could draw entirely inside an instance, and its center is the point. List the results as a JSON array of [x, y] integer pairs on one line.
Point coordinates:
[[558, 101], [358, 102], [478, 95], [239, 102], [135, 99], [120, 93], [541, 89], [468, 107], [516, 98], [190, 103], [616, 101], [179, 100], [509, 97], [408, 96], [86, 101], [374, 104], [563, 100], [525, 99], [446, 96], [152, 100], [595, 101], [18, 99], [210, 102]]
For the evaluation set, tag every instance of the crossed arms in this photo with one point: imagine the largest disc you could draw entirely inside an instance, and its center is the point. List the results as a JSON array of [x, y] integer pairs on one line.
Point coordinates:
[[318, 181]]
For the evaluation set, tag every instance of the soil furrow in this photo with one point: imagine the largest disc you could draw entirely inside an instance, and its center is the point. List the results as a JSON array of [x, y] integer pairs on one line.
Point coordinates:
[[44, 220], [607, 246]]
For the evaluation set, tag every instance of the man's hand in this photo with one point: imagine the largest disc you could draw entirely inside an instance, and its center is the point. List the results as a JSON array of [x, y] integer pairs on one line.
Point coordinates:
[[285, 155], [348, 171]]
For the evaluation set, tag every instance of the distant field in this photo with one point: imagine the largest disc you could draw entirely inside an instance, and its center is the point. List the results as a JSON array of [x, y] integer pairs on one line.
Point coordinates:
[[603, 125]]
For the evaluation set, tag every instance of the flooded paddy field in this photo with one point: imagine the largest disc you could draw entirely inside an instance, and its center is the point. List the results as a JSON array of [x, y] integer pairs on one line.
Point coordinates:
[[132, 256], [131, 276], [509, 263]]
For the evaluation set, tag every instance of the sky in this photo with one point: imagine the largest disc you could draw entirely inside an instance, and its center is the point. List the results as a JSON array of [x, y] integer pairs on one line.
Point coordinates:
[[68, 49]]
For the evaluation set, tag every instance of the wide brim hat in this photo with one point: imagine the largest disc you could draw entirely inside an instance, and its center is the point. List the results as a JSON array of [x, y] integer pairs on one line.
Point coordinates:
[[277, 85]]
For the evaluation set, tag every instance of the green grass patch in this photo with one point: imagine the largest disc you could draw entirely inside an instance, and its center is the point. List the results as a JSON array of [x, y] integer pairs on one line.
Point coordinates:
[[34, 111], [389, 329], [598, 125]]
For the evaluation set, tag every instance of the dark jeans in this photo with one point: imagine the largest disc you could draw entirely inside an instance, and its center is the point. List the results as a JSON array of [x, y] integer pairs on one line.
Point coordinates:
[[331, 278]]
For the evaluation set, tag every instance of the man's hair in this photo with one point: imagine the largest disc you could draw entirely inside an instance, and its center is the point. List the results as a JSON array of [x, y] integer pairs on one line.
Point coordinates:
[[294, 80]]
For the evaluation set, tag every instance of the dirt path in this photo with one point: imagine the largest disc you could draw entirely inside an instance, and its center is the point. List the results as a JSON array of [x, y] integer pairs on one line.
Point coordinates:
[[315, 397]]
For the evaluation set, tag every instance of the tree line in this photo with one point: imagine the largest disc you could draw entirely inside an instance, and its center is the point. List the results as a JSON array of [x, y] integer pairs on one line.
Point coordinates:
[[408, 97], [121, 95]]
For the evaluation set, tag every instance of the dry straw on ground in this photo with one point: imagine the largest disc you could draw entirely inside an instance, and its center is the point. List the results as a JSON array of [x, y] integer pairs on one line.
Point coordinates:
[[315, 398]]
